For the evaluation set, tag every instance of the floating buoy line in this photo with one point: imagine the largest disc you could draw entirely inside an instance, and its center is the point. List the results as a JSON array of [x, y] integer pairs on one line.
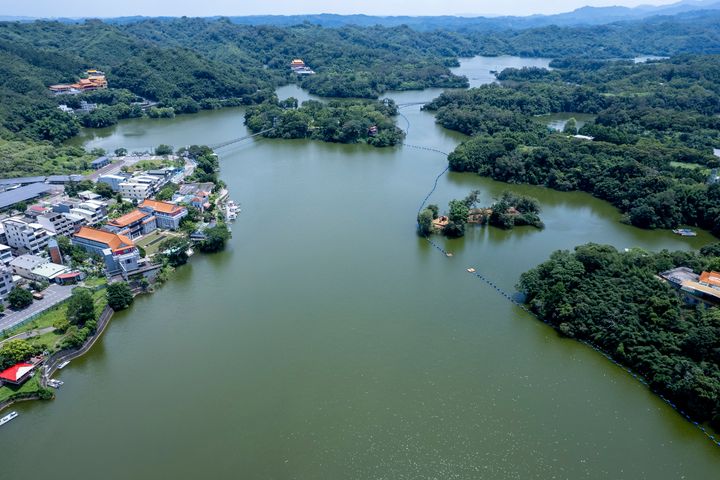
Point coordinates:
[[471, 270]]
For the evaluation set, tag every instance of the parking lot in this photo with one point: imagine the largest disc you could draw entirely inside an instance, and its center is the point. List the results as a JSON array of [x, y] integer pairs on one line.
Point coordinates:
[[53, 295]]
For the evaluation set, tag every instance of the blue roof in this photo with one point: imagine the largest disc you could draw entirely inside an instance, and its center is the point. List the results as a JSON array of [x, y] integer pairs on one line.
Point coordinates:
[[100, 160], [21, 180], [22, 194]]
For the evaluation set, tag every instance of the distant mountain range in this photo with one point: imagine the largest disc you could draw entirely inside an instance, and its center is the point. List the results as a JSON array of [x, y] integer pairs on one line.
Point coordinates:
[[579, 17]]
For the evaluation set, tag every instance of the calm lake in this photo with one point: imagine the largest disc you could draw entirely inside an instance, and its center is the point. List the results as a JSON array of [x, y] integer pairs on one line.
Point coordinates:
[[330, 342]]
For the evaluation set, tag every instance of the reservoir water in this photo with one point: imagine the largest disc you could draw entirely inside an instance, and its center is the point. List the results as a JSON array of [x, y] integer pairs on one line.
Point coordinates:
[[330, 342]]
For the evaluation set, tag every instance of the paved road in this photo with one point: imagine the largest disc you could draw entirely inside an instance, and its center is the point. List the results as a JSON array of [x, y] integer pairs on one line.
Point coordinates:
[[54, 294]]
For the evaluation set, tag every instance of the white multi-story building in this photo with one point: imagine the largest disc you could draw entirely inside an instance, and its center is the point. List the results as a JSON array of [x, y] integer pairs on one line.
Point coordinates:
[[5, 254], [140, 187], [113, 180], [26, 236], [59, 223], [6, 282], [93, 211]]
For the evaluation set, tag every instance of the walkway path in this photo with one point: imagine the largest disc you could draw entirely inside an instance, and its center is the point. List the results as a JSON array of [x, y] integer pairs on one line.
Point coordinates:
[[30, 334]]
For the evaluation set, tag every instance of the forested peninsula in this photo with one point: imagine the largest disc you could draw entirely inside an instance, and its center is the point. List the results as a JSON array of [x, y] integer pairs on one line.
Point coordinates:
[[617, 301], [648, 150]]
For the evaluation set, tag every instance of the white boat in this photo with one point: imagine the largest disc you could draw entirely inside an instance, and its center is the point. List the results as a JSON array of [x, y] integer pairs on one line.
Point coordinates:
[[55, 383], [8, 417], [685, 232], [63, 364]]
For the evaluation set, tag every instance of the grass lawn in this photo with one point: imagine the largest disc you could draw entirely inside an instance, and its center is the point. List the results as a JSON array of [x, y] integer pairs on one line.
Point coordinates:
[[31, 386], [92, 282], [691, 166], [151, 243]]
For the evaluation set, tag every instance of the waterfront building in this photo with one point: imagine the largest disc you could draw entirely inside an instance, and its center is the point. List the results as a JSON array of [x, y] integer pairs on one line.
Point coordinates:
[[133, 224], [87, 107], [65, 109], [17, 374], [26, 236], [6, 282], [119, 253], [168, 215]]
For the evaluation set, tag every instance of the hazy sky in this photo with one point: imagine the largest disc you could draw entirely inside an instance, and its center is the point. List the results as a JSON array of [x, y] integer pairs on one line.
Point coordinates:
[[203, 8]]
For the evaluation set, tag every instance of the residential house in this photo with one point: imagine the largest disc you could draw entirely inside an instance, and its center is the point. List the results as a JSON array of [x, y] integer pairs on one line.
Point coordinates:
[[49, 272], [25, 264], [168, 215], [88, 195], [26, 236]]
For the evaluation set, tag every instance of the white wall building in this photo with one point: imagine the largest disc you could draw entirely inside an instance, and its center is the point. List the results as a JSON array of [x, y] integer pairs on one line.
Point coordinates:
[[6, 282], [140, 187], [25, 264], [113, 180], [59, 223], [26, 236], [93, 211], [5, 254]]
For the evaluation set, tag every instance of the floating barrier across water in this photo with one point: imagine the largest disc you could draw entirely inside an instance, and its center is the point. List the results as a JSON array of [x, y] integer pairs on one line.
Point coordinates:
[[515, 302]]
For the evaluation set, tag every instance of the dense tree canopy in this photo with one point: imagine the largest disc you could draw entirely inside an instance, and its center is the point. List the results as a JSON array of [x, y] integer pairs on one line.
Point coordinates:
[[616, 301], [654, 128], [19, 298], [119, 296], [348, 121]]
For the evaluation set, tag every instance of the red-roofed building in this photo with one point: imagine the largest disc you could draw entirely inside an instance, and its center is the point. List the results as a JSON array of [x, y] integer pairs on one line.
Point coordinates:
[[168, 215], [118, 251], [69, 278], [133, 224], [17, 374]]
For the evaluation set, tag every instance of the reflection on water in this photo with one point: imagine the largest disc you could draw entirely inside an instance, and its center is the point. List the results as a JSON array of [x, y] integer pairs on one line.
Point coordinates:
[[329, 341]]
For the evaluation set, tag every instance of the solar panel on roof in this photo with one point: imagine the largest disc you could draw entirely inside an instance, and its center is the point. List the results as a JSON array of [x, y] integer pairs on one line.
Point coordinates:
[[22, 194]]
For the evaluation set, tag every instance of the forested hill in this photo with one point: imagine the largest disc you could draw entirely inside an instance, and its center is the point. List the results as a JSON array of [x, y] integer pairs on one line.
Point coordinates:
[[650, 145], [188, 64]]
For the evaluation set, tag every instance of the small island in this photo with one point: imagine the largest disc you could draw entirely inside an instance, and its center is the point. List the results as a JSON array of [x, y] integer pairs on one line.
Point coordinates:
[[339, 121], [508, 211]]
